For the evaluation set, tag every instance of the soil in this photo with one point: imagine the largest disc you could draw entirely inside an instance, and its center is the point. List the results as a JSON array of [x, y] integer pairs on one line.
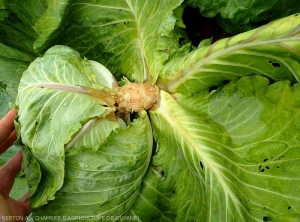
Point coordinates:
[[199, 28]]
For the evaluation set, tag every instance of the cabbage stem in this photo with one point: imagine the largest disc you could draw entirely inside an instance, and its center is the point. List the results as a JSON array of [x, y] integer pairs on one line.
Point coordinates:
[[134, 97]]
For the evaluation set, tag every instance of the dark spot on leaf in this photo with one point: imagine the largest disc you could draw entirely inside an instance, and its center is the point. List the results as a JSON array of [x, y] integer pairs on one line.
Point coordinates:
[[289, 207], [267, 167], [201, 165], [296, 14], [279, 158], [36, 123], [277, 167], [266, 218], [266, 159], [229, 105], [238, 197], [262, 170]]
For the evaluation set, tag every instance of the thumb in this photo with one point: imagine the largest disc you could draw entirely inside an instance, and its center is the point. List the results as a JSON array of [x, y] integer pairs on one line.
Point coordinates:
[[5, 212]]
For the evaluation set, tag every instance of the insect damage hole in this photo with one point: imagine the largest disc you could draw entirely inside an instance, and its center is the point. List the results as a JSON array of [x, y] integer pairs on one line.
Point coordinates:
[[201, 165], [275, 64], [266, 218]]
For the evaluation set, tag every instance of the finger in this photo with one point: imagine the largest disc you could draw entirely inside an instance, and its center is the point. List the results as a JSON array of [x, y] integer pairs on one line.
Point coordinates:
[[20, 207], [8, 142], [7, 125], [25, 204], [17, 209], [4, 209], [8, 173]]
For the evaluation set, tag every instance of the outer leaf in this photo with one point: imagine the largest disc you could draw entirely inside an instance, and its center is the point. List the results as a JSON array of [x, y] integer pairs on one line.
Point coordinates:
[[240, 16], [13, 63], [246, 140], [50, 25], [42, 20], [3, 11], [51, 93], [27, 11], [16, 29], [4, 101], [8, 155], [127, 36], [168, 182], [272, 50], [103, 184]]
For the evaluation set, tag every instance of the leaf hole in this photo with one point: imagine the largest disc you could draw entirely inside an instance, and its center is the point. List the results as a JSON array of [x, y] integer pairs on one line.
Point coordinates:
[[266, 218], [181, 41], [267, 167], [266, 159], [201, 165], [213, 88], [275, 64]]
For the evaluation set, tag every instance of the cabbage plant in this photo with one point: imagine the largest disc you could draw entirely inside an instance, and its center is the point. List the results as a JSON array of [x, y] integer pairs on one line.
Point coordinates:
[[122, 118]]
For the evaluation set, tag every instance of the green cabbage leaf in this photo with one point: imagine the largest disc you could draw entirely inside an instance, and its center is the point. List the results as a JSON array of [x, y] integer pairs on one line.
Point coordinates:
[[241, 16], [271, 51], [239, 147], [221, 143]]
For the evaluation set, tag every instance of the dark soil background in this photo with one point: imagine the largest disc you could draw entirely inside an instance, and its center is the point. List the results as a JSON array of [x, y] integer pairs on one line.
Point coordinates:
[[199, 28]]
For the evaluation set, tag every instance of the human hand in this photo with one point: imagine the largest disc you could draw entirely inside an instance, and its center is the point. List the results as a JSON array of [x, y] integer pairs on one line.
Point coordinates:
[[10, 209]]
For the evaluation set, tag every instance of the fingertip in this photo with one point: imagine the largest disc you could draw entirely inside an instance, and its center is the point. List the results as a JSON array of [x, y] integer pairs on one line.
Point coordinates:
[[14, 112], [7, 124], [11, 114]]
